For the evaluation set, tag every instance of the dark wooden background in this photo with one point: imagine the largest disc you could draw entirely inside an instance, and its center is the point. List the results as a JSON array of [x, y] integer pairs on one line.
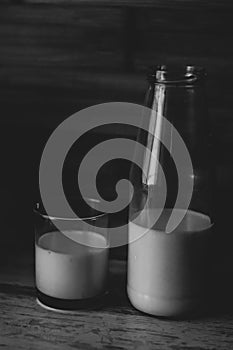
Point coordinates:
[[59, 56]]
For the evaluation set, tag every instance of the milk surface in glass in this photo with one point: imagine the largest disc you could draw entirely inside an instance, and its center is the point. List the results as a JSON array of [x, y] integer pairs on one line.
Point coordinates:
[[72, 265]]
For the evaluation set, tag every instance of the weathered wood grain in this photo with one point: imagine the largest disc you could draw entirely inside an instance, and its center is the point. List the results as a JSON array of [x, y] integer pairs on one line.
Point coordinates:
[[170, 4], [90, 50], [100, 54], [115, 325]]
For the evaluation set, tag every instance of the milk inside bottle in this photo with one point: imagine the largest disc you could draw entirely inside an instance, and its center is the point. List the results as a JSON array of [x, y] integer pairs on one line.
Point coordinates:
[[167, 273]]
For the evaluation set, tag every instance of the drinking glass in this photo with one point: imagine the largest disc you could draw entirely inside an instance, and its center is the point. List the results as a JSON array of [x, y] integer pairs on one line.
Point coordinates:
[[71, 257]]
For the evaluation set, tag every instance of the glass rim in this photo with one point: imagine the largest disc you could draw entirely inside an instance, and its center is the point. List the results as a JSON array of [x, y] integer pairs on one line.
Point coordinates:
[[45, 215]]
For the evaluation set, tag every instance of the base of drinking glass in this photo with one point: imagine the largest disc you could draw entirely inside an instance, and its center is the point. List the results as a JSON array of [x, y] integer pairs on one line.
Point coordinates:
[[67, 305]]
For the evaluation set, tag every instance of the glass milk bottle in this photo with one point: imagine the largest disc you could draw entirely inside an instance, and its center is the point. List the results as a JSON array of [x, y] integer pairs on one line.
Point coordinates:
[[170, 217]]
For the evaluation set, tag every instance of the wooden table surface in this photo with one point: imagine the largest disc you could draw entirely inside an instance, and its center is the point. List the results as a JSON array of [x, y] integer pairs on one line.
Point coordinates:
[[115, 325]]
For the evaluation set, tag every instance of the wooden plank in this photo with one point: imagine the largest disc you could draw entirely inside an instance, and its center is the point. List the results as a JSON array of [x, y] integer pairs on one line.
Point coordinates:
[[60, 37], [25, 325], [84, 49], [170, 4], [114, 325]]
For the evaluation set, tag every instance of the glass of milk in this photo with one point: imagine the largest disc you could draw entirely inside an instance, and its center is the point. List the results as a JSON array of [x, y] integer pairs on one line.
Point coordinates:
[[71, 258]]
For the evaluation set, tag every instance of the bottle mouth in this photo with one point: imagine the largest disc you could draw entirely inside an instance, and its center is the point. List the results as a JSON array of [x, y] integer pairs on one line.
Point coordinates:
[[175, 74]]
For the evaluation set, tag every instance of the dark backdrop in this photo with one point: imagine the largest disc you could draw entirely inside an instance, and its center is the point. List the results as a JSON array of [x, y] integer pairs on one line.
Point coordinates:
[[57, 57]]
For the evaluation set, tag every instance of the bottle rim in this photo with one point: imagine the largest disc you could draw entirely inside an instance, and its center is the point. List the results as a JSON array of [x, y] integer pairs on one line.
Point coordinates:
[[176, 74]]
